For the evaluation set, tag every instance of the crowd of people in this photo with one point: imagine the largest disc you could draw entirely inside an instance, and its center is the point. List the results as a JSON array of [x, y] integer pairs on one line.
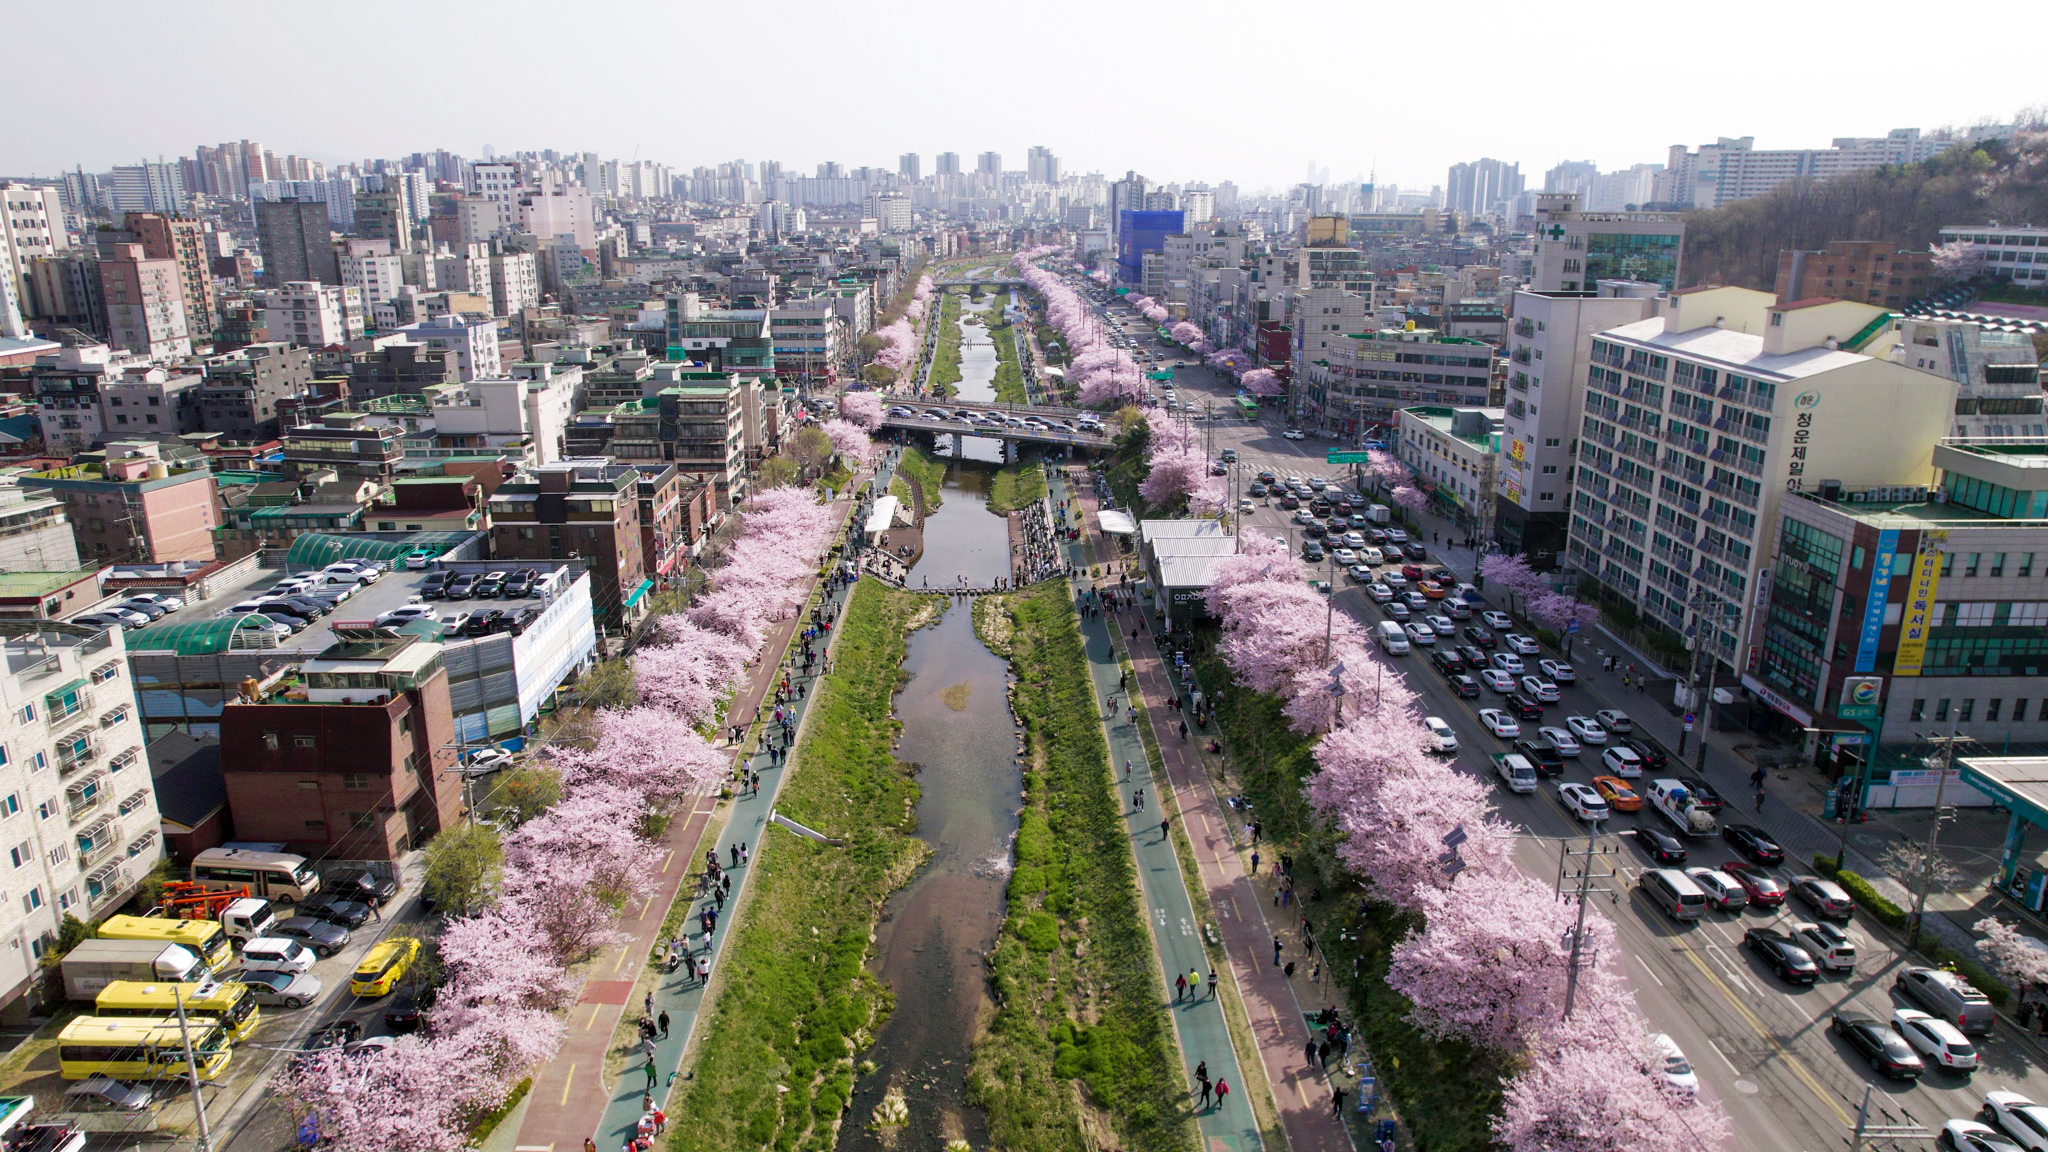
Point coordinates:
[[1045, 527]]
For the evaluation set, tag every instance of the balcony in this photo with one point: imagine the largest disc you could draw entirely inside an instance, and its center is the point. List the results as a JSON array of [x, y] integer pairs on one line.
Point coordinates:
[[1753, 467], [1746, 499], [105, 884], [134, 801], [86, 796], [1525, 328]]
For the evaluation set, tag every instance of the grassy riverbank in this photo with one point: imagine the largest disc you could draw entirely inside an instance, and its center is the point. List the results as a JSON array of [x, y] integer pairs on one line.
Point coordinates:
[[1009, 378], [946, 355], [1077, 1000], [795, 1001], [1445, 1091], [1015, 486], [931, 481]]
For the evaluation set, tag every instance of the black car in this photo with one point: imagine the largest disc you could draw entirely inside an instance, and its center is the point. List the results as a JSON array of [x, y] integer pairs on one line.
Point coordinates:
[[408, 1009], [339, 1034], [1447, 662], [460, 587], [1653, 757], [1376, 536], [1481, 635], [1312, 530], [1523, 707], [1287, 503], [359, 884], [1312, 552], [335, 910], [1442, 575], [324, 937], [1662, 846], [311, 606], [1256, 489], [1472, 655], [435, 585], [1466, 687], [1750, 840], [485, 622], [1542, 755], [1887, 1051], [1702, 794], [491, 586], [1793, 964], [1415, 552], [521, 619], [1267, 477]]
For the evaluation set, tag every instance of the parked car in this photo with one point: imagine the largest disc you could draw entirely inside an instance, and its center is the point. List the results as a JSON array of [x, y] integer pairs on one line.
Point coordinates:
[[1947, 996], [166, 602], [1781, 955], [435, 585], [359, 884], [462, 586], [491, 586], [1886, 1050], [406, 614], [324, 938], [485, 622], [336, 910], [522, 618], [100, 1094], [147, 608], [281, 989]]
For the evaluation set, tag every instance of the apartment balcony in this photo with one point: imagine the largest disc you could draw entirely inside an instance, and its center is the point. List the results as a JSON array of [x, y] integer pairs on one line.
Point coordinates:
[[1717, 519], [106, 885], [76, 751], [1525, 328], [86, 796], [134, 801]]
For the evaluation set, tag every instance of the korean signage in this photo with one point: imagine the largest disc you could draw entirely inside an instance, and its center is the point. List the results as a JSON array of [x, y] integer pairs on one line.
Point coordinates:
[[1919, 614], [1873, 608], [1860, 697], [1517, 450], [1802, 436]]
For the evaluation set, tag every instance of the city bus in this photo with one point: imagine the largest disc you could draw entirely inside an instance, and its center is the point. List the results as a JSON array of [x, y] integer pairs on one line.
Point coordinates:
[[280, 877], [124, 1048], [1247, 407], [229, 1001], [205, 938]]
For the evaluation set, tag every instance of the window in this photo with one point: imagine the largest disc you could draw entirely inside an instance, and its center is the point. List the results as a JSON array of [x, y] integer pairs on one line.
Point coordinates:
[[1941, 709], [1970, 563], [27, 713], [59, 854], [1550, 442], [1919, 711], [1991, 711], [1964, 710], [2019, 710], [316, 825], [303, 742], [46, 809], [355, 781], [1948, 564], [1998, 563], [21, 853], [10, 805], [32, 900], [2026, 564], [1856, 557]]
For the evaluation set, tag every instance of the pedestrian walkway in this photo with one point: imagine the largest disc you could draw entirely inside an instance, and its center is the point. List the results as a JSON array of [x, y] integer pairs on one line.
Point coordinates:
[[570, 1100], [1301, 1092]]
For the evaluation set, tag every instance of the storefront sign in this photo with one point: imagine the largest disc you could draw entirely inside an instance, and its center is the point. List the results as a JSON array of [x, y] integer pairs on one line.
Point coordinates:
[[1757, 688], [1860, 698], [1919, 615], [1873, 608]]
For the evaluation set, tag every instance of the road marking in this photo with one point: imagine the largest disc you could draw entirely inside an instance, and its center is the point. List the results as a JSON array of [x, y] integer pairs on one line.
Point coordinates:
[[1653, 975], [1792, 1061], [1716, 1046], [668, 859], [568, 1079]]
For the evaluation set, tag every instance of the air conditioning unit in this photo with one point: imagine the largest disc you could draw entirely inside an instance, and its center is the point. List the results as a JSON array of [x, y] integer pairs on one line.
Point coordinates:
[[1858, 497]]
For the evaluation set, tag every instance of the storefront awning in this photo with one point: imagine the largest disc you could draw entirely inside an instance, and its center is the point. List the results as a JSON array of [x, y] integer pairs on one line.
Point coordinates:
[[639, 591]]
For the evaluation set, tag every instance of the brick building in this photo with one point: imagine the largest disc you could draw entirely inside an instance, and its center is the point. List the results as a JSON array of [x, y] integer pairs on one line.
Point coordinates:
[[586, 510], [1865, 271]]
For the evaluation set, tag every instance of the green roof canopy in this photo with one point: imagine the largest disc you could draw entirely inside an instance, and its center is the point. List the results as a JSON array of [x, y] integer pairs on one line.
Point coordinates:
[[197, 638], [319, 549]]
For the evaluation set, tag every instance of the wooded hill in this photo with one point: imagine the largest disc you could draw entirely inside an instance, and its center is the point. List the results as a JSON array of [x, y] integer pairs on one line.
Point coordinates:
[[1907, 204]]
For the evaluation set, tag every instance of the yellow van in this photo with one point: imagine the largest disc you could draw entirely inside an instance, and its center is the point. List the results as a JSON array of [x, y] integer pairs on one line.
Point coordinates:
[[383, 966]]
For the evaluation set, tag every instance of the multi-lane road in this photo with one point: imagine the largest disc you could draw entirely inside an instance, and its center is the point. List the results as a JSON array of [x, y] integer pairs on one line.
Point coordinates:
[[1762, 1047]]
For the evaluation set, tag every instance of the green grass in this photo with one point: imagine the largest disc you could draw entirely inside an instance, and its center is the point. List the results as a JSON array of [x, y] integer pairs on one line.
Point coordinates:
[[931, 479], [797, 1001], [1016, 485], [1076, 995], [1009, 378], [1445, 1091], [945, 372]]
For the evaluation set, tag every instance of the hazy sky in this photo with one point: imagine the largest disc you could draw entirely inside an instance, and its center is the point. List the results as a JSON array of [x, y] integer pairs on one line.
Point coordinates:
[[1202, 90]]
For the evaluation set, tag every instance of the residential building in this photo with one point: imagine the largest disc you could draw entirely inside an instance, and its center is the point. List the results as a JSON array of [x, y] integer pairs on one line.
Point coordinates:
[[313, 314], [1904, 609], [151, 403], [296, 241], [66, 388], [515, 282], [1700, 420], [64, 291], [31, 226], [471, 343], [1482, 187], [1863, 270], [134, 507], [42, 594], [369, 267], [809, 340], [145, 303], [1139, 232], [35, 534], [77, 808], [2019, 254], [1576, 249], [586, 510], [182, 239], [1370, 376], [1999, 371], [397, 368], [146, 187], [384, 216], [363, 767], [1733, 168], [1455, 453], [349, 443], [243, 388], [1550, 344], [526, 416]]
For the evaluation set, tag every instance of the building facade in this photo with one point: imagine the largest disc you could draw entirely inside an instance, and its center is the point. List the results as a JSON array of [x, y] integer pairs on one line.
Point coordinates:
[[1576, 249], [1861, 270]]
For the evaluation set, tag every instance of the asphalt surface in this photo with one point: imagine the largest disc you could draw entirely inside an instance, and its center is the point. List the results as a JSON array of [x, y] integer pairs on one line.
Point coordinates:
[[1762, 1047]]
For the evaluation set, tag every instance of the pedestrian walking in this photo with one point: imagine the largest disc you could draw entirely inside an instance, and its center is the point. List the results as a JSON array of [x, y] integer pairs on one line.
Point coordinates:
[[1255, 861], [648, 1003], [746, 853], [1138, 799], [1276, 951], [651, 1074], [1222, 1090], [1323, 1054], [704, 967], [1337, 1101], [1180, 988], [1759, 799], [663, 1021], [1310, 1053], [1206, 1090], [1212, 983], [1162, 831]]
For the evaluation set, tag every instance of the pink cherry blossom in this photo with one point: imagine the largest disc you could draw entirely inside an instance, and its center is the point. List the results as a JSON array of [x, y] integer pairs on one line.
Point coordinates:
[[1601, 1098], [849, 440], [1262, 382], [863, 408], [1410, 497], [1558, 611], [1186, 333], [2020, 959]]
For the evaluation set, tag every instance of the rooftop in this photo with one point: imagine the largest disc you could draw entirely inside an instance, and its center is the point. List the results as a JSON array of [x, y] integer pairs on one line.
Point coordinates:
[[23, 584], [1738, 350]]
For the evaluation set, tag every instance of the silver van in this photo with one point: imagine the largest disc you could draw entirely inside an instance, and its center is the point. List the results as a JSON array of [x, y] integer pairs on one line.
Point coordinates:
[[1392, 638], [1674, 892], [1948, 997], [276, 954]]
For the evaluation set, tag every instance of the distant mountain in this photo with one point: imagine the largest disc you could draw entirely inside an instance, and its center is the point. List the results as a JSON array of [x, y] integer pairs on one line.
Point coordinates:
[[1907, 204]]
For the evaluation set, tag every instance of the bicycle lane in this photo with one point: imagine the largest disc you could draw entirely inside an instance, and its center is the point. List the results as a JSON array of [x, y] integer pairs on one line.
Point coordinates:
[[1198, 1021]]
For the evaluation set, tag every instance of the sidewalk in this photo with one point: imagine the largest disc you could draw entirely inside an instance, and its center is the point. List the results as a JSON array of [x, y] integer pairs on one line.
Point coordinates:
[[1301, 1093], [570, 1099]]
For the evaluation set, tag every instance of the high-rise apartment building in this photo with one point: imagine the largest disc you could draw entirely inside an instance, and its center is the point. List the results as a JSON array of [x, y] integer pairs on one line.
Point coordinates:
[[31, 226], [1041, 166], [1482, 186], [384, 214], [907, 165], [1577, 249], [296, 240], [948, 164], [184, 240], [145, 303], [989, 164], [313, 315], [147, 188]]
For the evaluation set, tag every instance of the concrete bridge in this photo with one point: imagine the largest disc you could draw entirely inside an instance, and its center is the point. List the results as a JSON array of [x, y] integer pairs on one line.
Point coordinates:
[[1000, 285], [992, 421]]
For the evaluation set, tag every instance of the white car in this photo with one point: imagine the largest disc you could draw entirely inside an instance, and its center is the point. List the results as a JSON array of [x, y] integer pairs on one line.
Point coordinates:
[[1380, 592], [1363, 575], [1416, 600], [354, 572], [1508, 662], [167, 603], [1246, 506], [1370, 554], [1294, 434], [1721, 889], [1394, 580], [1938, 1040], [1587, 729], [1443, 625], [407, 614], [1581, 801], [1396, 609], [1344, 556], [1499, 723], [1540, 690], [1560, 741], [1446, 740], [1521, 644], [1622, 762], [128, 616], [1559, 671], [2018, 1117], [1615, 721], [1672, 1065], [1397, 535], [1356, 539], [1970, 1136], [1498, 621], [1419, 633], [1498, 680]]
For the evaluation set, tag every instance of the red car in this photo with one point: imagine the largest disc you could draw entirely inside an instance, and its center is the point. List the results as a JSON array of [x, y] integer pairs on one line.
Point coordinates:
[[1412, 571], [1765, 890]]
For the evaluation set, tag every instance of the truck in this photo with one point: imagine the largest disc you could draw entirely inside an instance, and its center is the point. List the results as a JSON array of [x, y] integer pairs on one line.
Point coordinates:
[[1676, 802], [1516, 772], [94, 964], [1379, 513]]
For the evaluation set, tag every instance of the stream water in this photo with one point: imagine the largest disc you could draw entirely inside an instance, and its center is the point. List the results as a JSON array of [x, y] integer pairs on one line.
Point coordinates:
[[958, 729]]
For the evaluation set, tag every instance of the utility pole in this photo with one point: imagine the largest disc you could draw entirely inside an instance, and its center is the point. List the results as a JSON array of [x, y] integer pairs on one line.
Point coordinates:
[[192, 1069], [1948, 761], [1578, 932], [1866, 1132]]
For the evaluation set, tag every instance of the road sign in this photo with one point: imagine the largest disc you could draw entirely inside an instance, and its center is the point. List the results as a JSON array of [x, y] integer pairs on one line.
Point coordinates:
[[1572, 626], [1688, 721], [1455, 837], [1333, 456]]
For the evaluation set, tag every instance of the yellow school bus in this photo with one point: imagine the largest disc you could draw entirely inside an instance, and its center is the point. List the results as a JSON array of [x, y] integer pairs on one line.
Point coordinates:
[[205, 938], [228, 1000], [125, 1048]]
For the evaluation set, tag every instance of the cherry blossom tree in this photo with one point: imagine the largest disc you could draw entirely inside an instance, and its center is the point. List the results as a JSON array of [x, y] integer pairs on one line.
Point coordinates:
[[1186, 333], [849, 440], [1602, 1098], [1230, 360], [1410, 497], [1956, 263], [1394, 833], [2020, 959], [1262, 382], [1384, 470], [863, 408], [899, 346], [1558, 611]]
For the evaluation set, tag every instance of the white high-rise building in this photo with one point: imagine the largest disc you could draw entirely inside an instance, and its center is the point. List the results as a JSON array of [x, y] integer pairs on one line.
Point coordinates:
[[313, 315], [515, 282], [377, 276]]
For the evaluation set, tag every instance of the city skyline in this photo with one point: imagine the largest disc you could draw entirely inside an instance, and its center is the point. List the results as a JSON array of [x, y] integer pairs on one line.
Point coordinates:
[[1238, 139]]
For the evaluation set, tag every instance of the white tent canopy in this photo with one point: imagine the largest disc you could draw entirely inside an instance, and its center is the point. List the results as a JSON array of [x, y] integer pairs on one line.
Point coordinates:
[[883, 517], [1116, 523]]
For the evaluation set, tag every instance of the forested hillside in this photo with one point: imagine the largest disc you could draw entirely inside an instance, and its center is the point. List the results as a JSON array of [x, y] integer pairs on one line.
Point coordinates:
[[1907, 204]]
